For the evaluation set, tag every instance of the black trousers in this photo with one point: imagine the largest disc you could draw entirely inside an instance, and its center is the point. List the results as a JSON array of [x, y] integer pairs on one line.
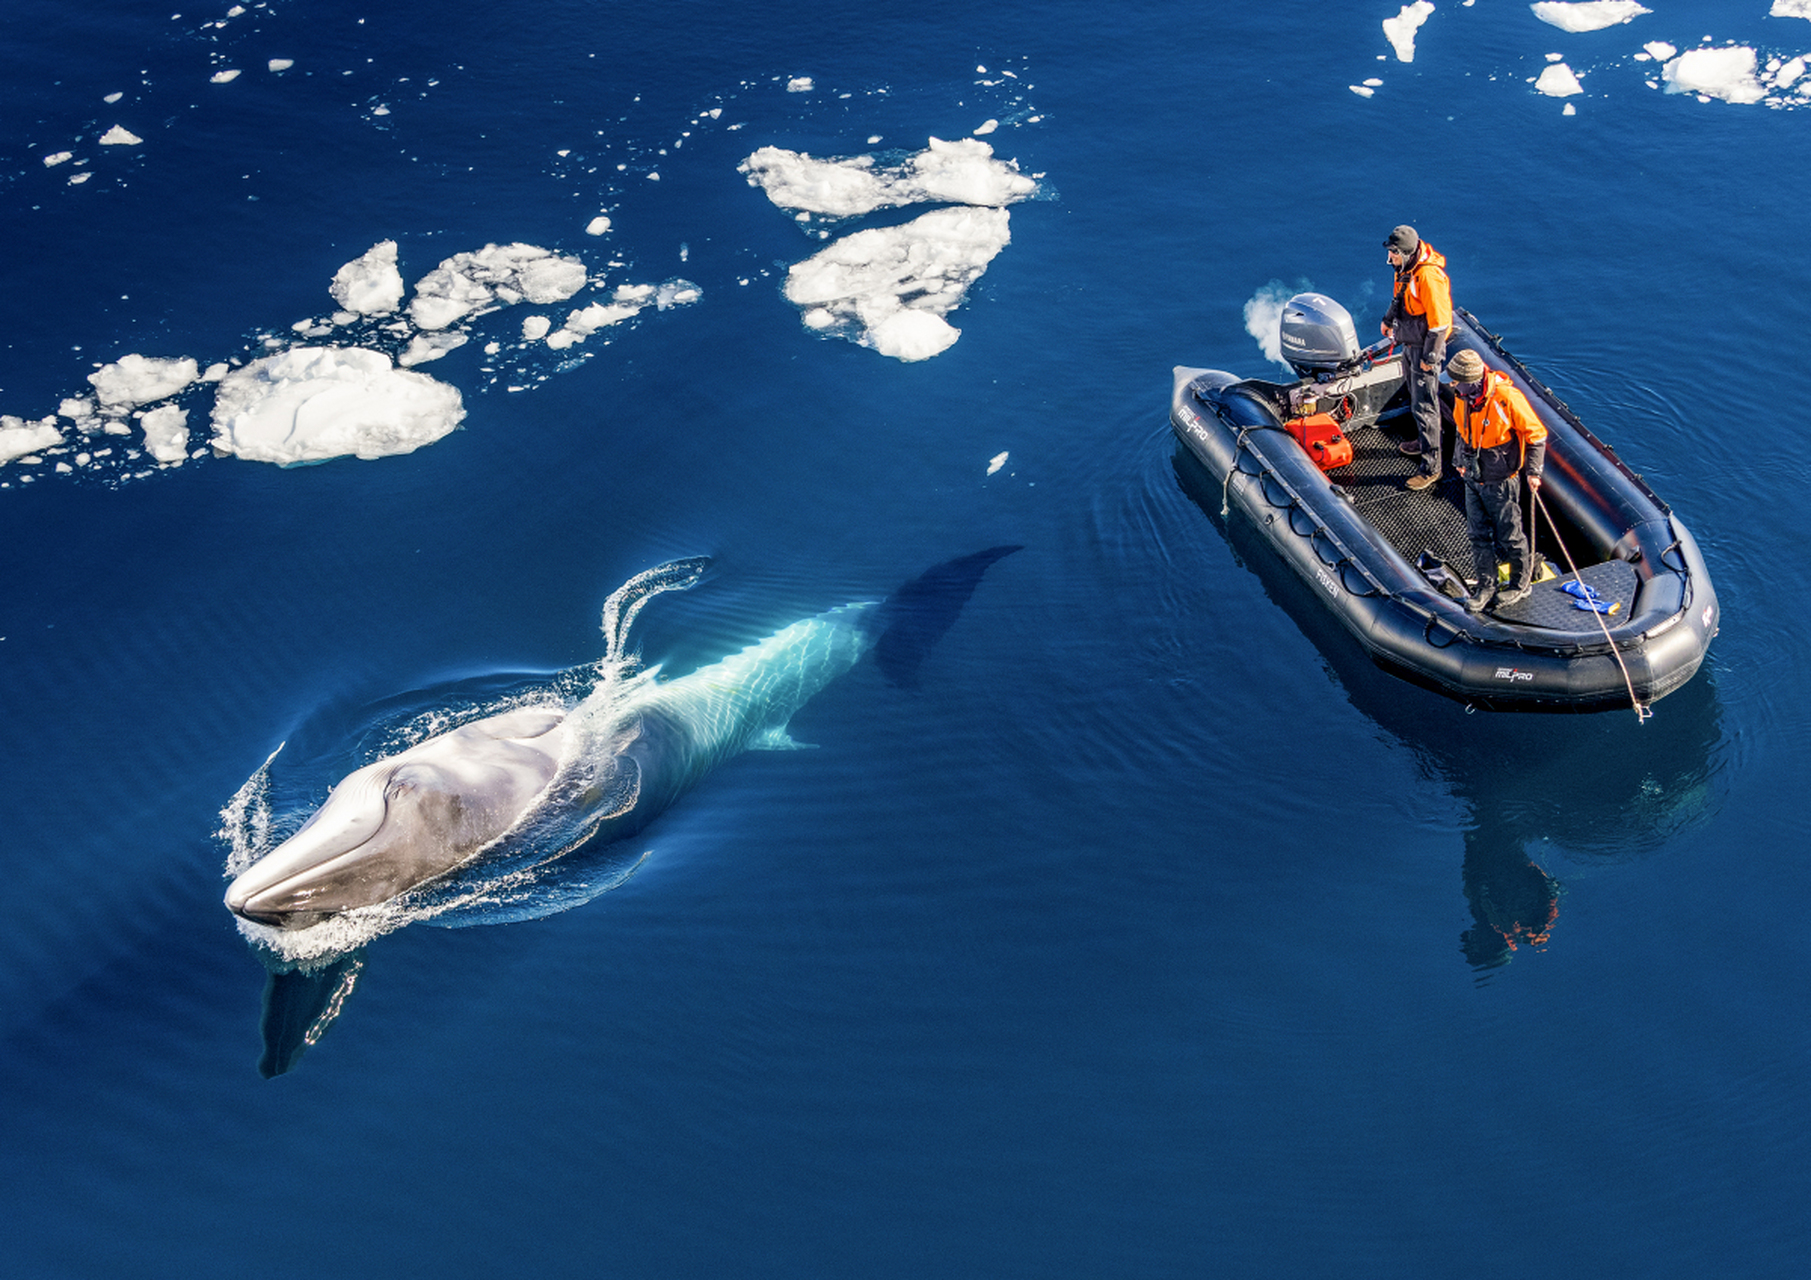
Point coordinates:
[[1424, 406], [1493, 518]]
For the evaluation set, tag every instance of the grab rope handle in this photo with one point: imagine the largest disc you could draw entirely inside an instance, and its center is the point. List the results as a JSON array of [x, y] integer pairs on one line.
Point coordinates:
[[1642, 710]]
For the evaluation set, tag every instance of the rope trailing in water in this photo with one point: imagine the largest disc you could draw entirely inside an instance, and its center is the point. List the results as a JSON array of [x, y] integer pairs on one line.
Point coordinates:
[[1642, 710]]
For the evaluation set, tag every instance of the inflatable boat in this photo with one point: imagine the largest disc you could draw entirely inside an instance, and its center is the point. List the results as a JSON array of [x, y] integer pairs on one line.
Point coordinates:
[[1622, 611]]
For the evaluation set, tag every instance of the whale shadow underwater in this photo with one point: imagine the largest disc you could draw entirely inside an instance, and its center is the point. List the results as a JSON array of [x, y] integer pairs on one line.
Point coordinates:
[[514, 804]]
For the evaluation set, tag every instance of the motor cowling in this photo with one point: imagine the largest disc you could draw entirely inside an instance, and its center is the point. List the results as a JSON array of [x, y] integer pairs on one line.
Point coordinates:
[[1317, 334]]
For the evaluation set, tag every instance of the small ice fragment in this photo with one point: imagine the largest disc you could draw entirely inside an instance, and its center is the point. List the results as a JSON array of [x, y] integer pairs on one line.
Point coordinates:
[[964, 171], [167, 434], [1556, 57], [58, 157], [77, 179], [496, 275], [1660, 50], [1587, 15], [134, 380], [281, 64], [597, 226], [985, 127], [215, 372], [1374, 83], [1790, 9], [120, 136], [534, 328], [980, 71], [653, 177], [873, 139], [1558, 81], [1570, 110], [224, 77], [1790, 73], [1726, 73], [21, 439], [370, 284], [1363, 91], [112, 98], [429, 346], [1400, 30], [800, 84], [996, 462]]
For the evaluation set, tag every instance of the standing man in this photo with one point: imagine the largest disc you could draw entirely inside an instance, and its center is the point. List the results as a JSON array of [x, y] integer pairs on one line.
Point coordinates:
[[1420, 318], [1499, 439]]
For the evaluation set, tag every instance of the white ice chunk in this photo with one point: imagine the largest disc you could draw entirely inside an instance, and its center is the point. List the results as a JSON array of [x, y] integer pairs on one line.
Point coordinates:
[[370, 284], [1362, 90], [964, 171], [281, 64], [424, 347], [58, 157], [1790, 9], [986, 126], [1659, 50], [495, 275], [1570, 110], [20, 439], [597, 226], [1726, 73], [1558, 81], [120, 136], [890, 287], [136, 380], [215, 372], [1789, 74], [800, 84], [223, 77], [77, 179], [996, 462], [309, 404], [112, 98], [167, 434], [1587, 15], [534, 328], [1400, 30]]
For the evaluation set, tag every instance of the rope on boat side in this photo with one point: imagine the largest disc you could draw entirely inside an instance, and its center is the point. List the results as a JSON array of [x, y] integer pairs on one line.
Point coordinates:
[[1642, 710]]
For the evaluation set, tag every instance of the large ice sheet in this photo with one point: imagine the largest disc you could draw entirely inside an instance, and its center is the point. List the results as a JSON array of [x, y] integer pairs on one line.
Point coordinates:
[[1400, 30], [369, 285], [21, 439], [496, 275], [890, 287], [1726, 73], [961, 172], [1587, 15], [309, 404], [1790, 9]]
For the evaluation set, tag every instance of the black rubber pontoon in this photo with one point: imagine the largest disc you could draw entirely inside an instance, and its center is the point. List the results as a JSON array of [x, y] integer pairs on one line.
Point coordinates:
[[1376, 553]]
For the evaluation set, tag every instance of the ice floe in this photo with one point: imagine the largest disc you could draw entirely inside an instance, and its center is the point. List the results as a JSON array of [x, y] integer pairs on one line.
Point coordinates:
[[496, 275], [1400, 30], [1587, 15], [310, 404], [996, 462], [1727, 73], [120, 136], [890, 287], [166, 434], [22, 439], [1558, 81], [134, 380], [627, 302], [1790, 9], [369, 285], [961, 172], [58, 157]]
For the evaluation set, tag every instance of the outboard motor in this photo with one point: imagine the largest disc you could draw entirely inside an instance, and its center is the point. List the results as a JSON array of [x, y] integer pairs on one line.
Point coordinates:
[[1317, 334]]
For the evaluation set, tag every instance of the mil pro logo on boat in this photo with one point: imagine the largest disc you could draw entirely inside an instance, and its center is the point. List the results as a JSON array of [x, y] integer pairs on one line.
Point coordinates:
[[1510, 673]]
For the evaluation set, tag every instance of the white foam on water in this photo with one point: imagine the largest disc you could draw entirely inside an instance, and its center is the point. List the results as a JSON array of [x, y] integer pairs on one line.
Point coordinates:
[[310, 404], [1264, 318], [497, 275], [1587, 15], [369, 285], [890, 287], [120, 136], [1400, 30], [1558, 81], [21, 439], [167, 434], [134, 380], [961, 172], [1790, 9], [1726, 73]]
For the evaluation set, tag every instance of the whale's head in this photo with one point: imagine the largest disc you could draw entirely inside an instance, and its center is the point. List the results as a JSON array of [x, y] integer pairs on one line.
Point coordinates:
[[401, 821]]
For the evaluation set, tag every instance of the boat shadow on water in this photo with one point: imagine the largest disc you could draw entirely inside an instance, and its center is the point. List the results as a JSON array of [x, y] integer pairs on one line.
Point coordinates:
[[1603, 788]]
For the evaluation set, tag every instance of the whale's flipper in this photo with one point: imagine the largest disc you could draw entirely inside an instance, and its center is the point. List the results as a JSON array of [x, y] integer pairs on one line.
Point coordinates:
[[299, 1007], [915, 617]]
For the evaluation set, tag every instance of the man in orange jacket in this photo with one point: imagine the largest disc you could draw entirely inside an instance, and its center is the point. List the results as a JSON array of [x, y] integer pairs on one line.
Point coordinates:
[[1498, 440], [1420, 317]]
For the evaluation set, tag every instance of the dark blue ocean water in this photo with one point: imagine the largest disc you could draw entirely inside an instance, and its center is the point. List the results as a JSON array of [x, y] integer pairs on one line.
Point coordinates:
[[1154, 933]]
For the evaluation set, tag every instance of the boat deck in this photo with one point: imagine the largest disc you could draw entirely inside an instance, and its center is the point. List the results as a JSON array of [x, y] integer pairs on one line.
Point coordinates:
[[1432, 522]]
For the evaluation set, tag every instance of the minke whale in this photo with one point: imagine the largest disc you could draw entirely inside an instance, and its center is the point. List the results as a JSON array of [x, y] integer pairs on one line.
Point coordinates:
[[600, 768]]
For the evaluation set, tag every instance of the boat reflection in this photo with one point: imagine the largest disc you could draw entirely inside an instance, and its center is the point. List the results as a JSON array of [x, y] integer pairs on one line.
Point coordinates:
[[1601, 787]]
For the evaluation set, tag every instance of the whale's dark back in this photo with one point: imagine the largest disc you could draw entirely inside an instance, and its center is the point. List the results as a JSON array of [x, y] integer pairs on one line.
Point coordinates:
[[915, 617]]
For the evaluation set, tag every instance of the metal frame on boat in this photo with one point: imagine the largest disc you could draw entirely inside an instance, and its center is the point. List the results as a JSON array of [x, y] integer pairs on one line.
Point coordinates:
[[1377, 555]]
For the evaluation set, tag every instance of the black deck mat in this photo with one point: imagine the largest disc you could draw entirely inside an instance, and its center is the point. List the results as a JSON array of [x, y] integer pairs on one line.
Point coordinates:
[[1552, 607], [1432, 520]]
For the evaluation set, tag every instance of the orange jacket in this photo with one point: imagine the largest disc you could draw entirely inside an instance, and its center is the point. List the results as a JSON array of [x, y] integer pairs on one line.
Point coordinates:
[[1505, 418], [1424, 291]]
